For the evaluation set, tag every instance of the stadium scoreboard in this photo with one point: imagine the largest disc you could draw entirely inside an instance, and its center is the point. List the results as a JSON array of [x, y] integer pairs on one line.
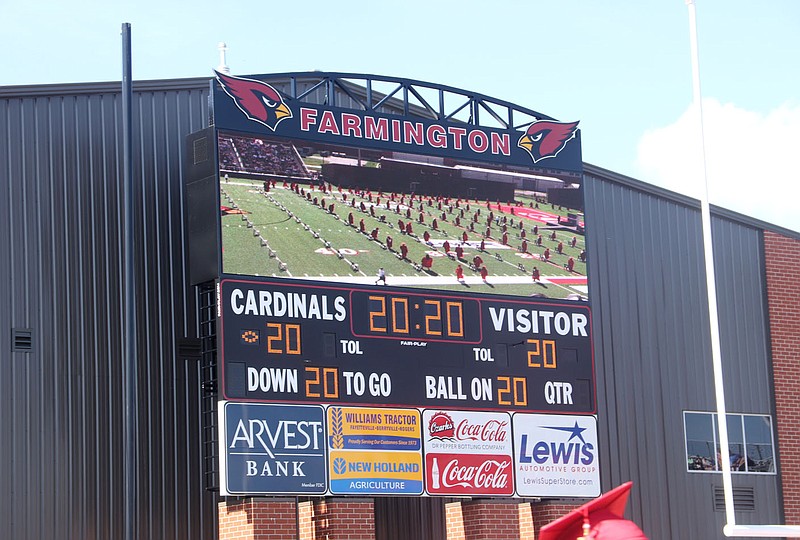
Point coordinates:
[[285, 341]]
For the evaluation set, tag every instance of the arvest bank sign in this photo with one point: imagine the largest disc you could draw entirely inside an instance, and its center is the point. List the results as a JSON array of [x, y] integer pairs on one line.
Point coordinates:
[[556, 456], [272, 449]]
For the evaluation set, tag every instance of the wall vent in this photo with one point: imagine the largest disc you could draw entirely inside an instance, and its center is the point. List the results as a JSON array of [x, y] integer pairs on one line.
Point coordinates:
[[21, 340], [744, 499], [190, 348], [200, 150]]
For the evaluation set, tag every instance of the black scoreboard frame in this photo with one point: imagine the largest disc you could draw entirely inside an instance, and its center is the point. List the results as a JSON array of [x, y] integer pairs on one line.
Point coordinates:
[[510, 354]]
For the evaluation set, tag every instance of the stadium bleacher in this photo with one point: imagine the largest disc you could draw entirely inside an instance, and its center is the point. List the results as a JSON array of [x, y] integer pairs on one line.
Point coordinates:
[[249, 155]]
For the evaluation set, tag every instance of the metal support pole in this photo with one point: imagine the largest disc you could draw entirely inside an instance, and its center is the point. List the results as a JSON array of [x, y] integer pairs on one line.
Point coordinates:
[[129, 278]]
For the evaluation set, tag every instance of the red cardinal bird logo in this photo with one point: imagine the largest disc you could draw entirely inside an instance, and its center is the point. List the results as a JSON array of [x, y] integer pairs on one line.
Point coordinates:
[[257, 100], [545, 138]]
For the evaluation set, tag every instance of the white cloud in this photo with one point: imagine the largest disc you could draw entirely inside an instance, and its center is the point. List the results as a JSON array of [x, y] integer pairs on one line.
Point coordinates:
[[751, 160]]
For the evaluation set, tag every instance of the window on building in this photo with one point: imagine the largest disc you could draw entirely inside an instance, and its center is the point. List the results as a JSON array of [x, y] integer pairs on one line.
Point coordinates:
[[750, 442]]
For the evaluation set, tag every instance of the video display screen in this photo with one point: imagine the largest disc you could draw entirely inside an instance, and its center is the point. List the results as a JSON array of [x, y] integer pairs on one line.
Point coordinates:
[[339, 214]]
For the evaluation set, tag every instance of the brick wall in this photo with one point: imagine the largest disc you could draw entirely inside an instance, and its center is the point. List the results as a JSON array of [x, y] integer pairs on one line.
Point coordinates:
[[495, 520], [546, 512], [257, 519], [344, 519], [492, 520], [354, 519], [783, 291], [283, 519], [454, 521]]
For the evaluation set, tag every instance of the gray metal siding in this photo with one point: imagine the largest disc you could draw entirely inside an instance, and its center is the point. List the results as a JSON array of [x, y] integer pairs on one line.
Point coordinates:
[[60, 275], [652, 351], [60, 233]]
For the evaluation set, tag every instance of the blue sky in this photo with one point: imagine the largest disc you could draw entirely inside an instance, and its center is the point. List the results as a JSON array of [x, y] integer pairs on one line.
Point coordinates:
[[622, 68]]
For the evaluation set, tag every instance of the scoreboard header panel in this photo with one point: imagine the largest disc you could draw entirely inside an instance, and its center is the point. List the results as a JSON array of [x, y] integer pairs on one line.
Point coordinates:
[[294, 342], [288, 106]]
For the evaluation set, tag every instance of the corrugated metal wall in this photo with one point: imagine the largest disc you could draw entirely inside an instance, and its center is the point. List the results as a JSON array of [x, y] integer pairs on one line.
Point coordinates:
[[60, 404], [60, 236], [653, 351]]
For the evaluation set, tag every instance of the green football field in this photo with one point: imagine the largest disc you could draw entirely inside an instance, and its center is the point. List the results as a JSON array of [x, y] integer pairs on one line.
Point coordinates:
[[281, 233]]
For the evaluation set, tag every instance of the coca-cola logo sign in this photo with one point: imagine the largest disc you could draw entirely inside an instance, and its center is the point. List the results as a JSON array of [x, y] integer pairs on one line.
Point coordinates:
[[470, 475], [441, 426], [489, 431]]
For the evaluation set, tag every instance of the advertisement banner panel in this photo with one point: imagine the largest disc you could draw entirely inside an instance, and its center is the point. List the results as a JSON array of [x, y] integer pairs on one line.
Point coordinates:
[[556, 456], [268, 449], [374, 451], [468, 453], [375, 472]]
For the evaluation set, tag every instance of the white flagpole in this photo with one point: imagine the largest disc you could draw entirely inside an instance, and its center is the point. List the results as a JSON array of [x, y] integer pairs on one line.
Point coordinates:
[[730, 529]]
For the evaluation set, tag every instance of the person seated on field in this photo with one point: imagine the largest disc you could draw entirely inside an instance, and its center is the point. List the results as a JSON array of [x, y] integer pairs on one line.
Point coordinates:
[[570, 264], [435, 224], [446, 246], [459, 252], [546, 255], [427, 262], [477, 261], [350, 219], [374, 233], [426, 236], [403, 250], [560, 248], [409, 228], [524, 248], [389, 242], [361, 226], [535, 274]]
